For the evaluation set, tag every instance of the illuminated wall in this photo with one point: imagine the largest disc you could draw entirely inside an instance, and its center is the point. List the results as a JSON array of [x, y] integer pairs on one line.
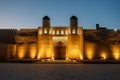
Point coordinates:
[[26, 51], [11, 51], [75, 45], [63, 40], [48, 40], [22, 51], [45, 44], [89, 50], [104, 55], [32, 50], [81, 44], [116, 52]]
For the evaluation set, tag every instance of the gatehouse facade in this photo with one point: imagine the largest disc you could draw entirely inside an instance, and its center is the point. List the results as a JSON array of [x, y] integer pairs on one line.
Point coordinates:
[[60, 42]]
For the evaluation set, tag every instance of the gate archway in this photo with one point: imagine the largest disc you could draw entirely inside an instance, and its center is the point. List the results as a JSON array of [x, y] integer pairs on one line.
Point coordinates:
[[60, 51]]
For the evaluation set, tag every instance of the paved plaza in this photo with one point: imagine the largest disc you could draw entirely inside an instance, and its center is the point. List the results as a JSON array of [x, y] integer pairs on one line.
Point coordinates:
[[20, 71]]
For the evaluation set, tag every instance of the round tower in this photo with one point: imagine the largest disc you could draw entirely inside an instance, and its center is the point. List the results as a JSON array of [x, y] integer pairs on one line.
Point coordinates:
[[97, 26], [46, 22], [74, 22]]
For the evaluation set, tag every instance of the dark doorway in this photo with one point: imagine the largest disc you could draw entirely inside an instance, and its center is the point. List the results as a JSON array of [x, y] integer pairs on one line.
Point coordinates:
[[60, 51]]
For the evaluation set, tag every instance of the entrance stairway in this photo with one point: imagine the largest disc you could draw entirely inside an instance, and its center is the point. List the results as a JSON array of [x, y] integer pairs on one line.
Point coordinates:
[[58, 62]]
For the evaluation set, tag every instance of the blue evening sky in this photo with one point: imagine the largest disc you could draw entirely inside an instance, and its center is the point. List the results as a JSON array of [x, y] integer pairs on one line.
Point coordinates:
[[29, 13]]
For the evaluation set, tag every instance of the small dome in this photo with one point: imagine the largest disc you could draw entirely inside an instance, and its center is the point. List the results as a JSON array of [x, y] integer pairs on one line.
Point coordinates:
[[46, 17], [73, 17]]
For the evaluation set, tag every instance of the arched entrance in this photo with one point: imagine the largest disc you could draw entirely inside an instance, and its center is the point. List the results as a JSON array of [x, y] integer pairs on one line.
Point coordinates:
[[60, 51]]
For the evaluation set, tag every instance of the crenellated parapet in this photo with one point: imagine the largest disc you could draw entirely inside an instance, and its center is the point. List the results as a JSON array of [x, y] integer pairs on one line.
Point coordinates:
[[7, 35], [11, 30], [26, 36]]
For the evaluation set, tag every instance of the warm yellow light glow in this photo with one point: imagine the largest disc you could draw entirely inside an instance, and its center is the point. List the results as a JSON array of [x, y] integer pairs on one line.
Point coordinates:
[[45, 31], [45, 51], [21, 51], [90, 55], [57, 32], [73, 31], [116, 56], [33, 51], [81, 57], [40, 32], [90, 50], [116, 52], [60, 39], [66, 58], [66, 32], [53, 32], [103, 55], [40, 55], [48, 52], [53, 58], [62, 32], [74, 53]]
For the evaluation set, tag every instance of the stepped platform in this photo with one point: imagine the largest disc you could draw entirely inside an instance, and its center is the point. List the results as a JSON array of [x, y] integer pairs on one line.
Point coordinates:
[[44, 61], [58, 62], [48, 61]]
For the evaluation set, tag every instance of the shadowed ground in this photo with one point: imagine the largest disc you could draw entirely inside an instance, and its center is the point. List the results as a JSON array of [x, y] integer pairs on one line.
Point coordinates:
[[13, 71]]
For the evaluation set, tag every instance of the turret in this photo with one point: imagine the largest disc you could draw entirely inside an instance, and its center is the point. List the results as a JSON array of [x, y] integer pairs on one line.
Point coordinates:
[[100, 28], [46, 22], [74, 21], [97, 26], [46, 25], [73, 24]]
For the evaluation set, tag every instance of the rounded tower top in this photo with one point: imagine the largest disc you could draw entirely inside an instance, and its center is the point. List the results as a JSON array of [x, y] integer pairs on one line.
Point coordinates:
[[73, 17], [73, 22], [46, 17], [46, 22]]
